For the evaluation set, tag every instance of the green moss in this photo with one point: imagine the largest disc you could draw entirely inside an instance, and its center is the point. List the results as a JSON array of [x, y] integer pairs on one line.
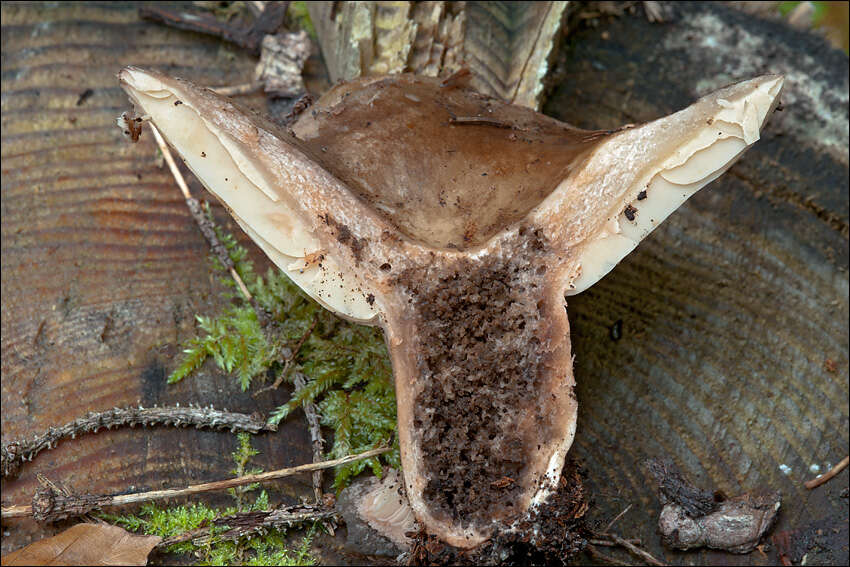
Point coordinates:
[[301, 18], [786, 8], [346, 366], [267, 549], [168, 522], [242, 457]]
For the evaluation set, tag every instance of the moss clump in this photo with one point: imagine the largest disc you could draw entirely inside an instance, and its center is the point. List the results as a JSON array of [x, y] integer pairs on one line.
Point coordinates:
[[300, 18], [242, 458], [260, 549], [346, 366]]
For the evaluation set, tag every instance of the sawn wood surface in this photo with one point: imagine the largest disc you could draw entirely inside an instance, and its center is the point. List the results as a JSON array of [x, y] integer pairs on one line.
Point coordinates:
[[733, 352]]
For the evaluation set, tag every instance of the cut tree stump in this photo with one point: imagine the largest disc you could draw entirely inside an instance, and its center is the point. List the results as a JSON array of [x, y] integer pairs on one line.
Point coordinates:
[[733, 351], [104, 269], [732, 308]]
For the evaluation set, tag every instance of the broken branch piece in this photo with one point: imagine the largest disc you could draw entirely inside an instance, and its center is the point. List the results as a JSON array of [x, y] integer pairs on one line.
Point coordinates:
[[692, 517], [461, 241]]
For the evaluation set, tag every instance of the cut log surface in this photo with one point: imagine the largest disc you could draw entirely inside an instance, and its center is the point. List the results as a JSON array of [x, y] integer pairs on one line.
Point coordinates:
[[733, 314], [103, 269], [507, 46], [732, 356]]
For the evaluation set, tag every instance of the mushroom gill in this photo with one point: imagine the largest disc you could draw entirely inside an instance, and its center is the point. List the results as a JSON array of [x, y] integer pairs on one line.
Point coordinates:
[[458, 223]]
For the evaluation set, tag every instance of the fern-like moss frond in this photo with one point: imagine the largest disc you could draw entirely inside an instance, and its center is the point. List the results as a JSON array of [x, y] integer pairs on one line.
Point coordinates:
[[346, 366]]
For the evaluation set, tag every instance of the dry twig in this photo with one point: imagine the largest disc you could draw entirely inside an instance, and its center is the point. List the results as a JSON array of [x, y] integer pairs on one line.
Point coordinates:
[[617, 517], [236, 90], [202, 221], [290, 358], [14, 454], [316, 440], [250, 38], [815, 482], [596, 554], [243, 524], [634, 550], [479, 121], [50, 505], [610, 543]]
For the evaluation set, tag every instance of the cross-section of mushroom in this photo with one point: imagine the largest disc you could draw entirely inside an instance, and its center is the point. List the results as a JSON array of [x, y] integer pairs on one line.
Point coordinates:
[[458, 223]]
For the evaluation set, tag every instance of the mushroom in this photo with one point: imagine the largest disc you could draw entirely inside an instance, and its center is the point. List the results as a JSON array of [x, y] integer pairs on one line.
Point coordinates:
[[377, 507], [458, 223]]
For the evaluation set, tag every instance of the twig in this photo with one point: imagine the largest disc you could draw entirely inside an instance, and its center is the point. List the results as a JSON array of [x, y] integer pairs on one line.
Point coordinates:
[[315, 436], [478, 121], [634, 550], [595, 553], [204, 223], [50, 506], [253, 522], [249, 37], [815, 482], [235, 90], [609, 543], [309, 408], [617, 517], [243, 524], [14, 454], [289, 359], [302, 104], [172, 165]]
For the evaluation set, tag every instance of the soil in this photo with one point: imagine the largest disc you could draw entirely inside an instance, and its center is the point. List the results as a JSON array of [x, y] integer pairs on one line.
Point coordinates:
[[551, 534], [482, 335]]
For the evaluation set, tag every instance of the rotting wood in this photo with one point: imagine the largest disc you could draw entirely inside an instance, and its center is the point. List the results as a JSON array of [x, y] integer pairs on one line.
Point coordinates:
[[508, 46], [103, 268], [245, 524], [15, 453]]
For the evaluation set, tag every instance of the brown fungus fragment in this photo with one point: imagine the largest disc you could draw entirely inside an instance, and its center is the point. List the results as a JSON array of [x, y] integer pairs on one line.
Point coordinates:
[[382, 178], [131, 126]]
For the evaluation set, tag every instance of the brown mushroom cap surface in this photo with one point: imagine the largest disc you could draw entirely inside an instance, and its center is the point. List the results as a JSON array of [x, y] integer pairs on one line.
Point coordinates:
[[458, 223], [449, 167]]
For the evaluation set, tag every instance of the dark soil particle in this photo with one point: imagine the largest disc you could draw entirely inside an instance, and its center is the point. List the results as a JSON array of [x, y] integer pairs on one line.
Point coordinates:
[[552, 534], [344, 236], [480, 327], [617, 330]]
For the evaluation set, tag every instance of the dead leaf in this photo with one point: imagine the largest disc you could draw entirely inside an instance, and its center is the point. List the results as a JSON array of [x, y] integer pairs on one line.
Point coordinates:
[[86, 544]]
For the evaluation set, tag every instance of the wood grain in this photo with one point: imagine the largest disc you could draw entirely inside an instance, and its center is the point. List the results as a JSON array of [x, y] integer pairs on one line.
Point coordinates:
[[732, 307], [103, 268], [508, 46]]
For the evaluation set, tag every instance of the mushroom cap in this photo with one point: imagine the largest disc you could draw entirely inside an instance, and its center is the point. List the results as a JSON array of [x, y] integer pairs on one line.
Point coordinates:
[[447, 166], [458, 223]]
